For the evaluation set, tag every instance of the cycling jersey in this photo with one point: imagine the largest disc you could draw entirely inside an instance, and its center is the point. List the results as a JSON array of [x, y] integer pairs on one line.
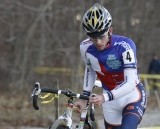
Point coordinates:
[[115, 66]]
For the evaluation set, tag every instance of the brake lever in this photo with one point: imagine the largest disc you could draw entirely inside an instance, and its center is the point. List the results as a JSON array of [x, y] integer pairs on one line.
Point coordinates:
[[33, 93], [36, 90], [92, 109]]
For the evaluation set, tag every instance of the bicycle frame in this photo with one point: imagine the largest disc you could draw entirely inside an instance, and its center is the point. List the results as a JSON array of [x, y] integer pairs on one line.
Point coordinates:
[[83, 118], [67, 115]]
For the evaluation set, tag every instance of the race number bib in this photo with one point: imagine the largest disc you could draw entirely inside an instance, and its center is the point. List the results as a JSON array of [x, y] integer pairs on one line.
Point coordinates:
[[128, 56]]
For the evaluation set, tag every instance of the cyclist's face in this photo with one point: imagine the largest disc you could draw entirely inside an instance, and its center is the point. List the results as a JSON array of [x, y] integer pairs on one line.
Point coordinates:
[[102, 41]]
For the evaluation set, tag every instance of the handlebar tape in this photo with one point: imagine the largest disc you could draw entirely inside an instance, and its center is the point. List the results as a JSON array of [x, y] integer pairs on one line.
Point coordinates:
[[84, 97], [35, 102]]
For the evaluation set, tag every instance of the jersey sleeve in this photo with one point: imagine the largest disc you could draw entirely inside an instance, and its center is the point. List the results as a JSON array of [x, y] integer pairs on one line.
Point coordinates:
[[129, 54], [90, 75]]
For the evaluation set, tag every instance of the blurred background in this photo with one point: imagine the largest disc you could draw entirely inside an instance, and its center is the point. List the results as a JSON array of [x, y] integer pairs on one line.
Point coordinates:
[[39, 41]]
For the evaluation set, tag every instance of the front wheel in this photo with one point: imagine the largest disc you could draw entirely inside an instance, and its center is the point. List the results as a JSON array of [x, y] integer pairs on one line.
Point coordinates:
[[61, 127], [59, 124], [86, 126]]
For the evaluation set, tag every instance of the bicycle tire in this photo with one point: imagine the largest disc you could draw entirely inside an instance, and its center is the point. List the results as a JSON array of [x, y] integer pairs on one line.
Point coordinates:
[[59, 124], [85, 126], [61, 127], [93, 126]]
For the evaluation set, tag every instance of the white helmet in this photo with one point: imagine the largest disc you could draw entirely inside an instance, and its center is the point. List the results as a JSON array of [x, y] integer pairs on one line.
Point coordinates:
[[96, 19]]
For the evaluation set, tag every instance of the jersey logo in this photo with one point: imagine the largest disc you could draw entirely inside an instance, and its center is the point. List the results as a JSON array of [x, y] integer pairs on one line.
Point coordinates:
[[123, 44], [112, 62], [130, 107]]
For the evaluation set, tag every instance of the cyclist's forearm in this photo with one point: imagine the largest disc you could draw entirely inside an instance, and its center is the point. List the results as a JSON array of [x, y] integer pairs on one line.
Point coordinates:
[[130, 82], [89, 79]]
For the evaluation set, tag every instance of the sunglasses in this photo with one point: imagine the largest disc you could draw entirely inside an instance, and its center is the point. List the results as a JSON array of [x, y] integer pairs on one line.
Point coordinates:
[[99, 37]]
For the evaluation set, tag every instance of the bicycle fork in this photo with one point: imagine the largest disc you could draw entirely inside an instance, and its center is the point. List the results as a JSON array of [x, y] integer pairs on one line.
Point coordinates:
[[67, 116]]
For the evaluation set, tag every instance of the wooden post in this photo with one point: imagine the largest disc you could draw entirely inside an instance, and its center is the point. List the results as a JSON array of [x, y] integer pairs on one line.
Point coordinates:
[[56, 86], [157, 97], [147, 87]]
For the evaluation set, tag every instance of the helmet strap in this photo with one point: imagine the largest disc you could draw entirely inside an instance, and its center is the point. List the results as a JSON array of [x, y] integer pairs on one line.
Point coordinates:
[[109, 36]]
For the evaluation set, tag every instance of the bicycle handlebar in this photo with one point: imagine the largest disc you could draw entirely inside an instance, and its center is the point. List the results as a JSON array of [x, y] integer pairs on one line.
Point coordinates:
[[37, 90]]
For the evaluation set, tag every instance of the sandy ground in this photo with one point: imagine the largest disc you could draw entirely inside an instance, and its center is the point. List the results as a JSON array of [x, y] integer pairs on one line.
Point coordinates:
[[151, 118]]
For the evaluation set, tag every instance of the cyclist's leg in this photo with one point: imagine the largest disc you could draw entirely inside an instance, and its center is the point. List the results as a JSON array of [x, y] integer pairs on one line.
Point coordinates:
[[130, 121], [133, 112], [112, 115], [115, 114]]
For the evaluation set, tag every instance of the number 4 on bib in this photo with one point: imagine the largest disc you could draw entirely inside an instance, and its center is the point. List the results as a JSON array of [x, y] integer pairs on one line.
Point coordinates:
[[128, 57]]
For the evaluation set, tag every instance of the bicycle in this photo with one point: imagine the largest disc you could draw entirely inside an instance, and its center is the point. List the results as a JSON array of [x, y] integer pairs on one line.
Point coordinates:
[[65, 120]]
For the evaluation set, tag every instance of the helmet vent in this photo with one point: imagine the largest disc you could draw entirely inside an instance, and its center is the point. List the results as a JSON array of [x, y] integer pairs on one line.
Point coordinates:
[[100, 25], [85, 19], [89, 15], [97, 25], [97, 14], [101, 18], [93, 22], [107, 24], [89, 26], [100, 11]]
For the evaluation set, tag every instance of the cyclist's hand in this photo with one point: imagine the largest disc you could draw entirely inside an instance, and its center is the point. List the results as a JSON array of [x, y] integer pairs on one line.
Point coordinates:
[[97, 100], [80, 105]]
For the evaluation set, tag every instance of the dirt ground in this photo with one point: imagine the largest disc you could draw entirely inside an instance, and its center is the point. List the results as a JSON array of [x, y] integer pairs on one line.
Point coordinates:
[[17, 113], [151, 118]]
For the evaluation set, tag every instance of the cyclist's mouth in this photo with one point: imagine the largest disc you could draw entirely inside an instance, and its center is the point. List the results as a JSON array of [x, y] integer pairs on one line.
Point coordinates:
[[99, 47]]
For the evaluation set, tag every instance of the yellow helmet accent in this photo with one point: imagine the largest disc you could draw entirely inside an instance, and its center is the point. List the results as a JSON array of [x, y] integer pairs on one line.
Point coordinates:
[[96, 19]]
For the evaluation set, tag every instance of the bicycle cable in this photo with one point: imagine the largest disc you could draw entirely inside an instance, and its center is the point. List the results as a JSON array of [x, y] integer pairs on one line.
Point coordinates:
[[46, 96]]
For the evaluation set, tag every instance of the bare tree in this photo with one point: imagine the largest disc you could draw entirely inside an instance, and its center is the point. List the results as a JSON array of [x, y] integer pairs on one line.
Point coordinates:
[[48, 33]]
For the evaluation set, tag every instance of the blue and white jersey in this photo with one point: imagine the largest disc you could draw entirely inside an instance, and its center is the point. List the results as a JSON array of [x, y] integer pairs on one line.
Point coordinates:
[[115, 66]]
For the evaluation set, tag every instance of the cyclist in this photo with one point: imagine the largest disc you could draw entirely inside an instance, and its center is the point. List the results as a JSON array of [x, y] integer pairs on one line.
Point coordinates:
[[111, 58]]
